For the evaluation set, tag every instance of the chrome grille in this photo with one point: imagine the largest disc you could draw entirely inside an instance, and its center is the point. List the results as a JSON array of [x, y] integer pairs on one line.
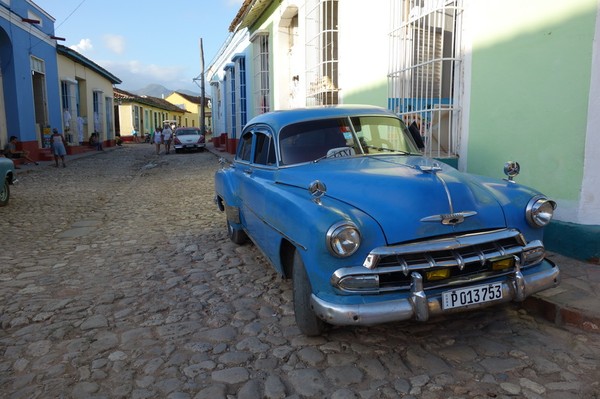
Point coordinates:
[[468, 257]]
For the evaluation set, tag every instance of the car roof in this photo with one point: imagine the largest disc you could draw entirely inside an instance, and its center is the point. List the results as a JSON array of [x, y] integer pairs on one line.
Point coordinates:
[[279, 119]]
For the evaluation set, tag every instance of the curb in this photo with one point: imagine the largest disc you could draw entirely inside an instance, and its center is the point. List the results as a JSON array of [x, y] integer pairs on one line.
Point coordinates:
[[562, 315]]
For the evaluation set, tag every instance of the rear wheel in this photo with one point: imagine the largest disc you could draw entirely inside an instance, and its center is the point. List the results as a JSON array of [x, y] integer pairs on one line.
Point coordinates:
[[306, 319], [4, 193], [236, 235]]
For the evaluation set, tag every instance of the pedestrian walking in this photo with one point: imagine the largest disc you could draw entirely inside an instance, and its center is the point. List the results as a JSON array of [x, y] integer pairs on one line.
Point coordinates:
[[134, 133], [58, 147], [157, 139], [167, 138]]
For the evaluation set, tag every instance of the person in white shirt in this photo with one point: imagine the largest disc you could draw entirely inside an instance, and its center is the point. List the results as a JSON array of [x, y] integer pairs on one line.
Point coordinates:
[[157, 139], [167, 138]]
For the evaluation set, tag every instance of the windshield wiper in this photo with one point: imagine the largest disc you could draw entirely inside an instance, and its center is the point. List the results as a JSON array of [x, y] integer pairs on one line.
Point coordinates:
[[387, 149]]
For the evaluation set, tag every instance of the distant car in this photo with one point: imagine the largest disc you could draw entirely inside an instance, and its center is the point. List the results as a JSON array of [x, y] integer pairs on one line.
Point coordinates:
[[7, 173], [188, 138], [341, 200]]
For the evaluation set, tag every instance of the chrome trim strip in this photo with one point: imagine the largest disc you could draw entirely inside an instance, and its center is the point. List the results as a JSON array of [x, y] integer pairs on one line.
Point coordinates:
[[447, 193], [416, 305]]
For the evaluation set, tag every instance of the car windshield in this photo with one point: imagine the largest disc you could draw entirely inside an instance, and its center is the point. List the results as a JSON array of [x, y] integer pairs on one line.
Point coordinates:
[[188, 132], [342, 137]]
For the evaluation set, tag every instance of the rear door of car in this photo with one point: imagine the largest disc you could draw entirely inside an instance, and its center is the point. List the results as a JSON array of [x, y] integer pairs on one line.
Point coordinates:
[[257, 166]]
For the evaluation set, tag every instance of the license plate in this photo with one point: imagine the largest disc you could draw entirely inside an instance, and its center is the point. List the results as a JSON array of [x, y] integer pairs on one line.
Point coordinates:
[[471, 295]]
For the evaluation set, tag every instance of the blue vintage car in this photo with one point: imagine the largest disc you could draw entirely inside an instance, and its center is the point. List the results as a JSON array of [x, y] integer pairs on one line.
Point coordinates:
[[341, 200], [7, 173]]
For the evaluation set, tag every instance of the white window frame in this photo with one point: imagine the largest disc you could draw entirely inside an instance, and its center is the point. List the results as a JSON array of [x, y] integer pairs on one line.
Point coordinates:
[[262, 92], [322, 52]]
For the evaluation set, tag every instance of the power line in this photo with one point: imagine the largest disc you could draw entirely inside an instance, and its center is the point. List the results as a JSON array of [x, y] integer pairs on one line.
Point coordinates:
[[69, 16]]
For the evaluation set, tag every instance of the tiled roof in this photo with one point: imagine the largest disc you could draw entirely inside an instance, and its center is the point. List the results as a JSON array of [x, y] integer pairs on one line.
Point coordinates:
[[127, 97], [75, 56], [193, 99]]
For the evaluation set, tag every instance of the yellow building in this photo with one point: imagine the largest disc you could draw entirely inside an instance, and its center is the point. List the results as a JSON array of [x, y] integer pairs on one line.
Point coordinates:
[[87, 102], [144, 114], [192, 104]]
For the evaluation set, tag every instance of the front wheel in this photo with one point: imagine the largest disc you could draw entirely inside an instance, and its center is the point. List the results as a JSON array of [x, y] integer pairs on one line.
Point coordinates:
[[306, 319], [4, 193], [235, 234]]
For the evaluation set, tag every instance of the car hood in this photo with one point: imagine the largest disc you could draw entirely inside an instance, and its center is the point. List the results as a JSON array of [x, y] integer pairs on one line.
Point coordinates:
[[408, 196]]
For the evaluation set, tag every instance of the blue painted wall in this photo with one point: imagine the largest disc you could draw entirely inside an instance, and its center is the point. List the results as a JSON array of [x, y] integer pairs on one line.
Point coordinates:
[[18, 42]]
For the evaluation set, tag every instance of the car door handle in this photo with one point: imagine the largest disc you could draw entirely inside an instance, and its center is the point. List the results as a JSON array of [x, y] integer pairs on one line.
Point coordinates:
[[248, 171]]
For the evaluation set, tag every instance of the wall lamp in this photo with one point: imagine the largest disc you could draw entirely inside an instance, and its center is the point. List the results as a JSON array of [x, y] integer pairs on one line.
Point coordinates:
[[30, 21]]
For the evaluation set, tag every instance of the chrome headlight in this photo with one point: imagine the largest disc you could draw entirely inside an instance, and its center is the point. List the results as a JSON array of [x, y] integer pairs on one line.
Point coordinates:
[[343, 239], [539, 211]]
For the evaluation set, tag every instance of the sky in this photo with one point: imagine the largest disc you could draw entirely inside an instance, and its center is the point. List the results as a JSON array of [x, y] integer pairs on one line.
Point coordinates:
[[145, 42]]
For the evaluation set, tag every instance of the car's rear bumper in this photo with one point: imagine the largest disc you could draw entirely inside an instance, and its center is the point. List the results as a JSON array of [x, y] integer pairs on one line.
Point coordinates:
[[188, 146], [417, 305]]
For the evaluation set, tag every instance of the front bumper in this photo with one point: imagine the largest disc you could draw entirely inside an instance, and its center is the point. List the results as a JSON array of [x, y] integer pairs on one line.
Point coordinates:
[[419, 306]]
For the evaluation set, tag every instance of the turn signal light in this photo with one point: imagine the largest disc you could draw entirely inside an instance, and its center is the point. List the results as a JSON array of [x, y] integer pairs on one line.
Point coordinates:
[[503, 264], [438, 274]]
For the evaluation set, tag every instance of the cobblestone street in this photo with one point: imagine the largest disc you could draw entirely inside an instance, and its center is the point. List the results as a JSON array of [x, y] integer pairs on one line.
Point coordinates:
[[117, 280]]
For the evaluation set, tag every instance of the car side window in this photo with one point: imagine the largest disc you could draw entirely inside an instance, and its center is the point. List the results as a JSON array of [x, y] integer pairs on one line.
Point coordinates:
[[265, 149], [246, 147]]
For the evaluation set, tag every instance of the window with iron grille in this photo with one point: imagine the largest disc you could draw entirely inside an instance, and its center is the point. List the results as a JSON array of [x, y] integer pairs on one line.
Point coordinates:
[[108, 101], [230, 88], [322, 52], [262, 102], [242, 109], [135, 116], [99, 112], [68, 90], [425, 70]]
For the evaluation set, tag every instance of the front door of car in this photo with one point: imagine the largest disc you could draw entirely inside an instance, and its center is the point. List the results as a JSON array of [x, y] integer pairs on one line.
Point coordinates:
[[256, 185]]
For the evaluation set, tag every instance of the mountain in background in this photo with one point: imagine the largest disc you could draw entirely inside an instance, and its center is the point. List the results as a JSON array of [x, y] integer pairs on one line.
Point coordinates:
[[156, 90]]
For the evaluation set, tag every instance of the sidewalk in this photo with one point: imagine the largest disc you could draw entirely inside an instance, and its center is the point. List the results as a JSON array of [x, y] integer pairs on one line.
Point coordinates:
[[575, 302]]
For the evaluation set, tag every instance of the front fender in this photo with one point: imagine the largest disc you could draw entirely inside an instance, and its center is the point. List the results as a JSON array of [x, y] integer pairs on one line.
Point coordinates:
[[305, 223]]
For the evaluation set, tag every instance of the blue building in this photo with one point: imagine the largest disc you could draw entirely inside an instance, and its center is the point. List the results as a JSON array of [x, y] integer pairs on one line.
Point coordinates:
[[29, 74]]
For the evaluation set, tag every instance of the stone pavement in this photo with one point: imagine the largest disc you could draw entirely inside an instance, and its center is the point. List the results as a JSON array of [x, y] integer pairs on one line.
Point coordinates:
[[575, 302], [117, 280]]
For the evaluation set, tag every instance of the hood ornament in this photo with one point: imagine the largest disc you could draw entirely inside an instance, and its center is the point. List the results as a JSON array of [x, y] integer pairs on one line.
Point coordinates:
[[450, 219], [431, 168], [317, 189]]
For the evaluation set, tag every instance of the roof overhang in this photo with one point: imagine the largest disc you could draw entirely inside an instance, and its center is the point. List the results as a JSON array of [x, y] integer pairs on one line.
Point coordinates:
[[248, 14]]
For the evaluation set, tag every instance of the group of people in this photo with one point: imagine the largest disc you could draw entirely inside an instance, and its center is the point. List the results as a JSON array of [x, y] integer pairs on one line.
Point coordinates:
[[57, 141], [162, 136]]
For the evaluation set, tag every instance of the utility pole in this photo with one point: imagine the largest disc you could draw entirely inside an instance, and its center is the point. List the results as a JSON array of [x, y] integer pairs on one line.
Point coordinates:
[[202, 91]]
